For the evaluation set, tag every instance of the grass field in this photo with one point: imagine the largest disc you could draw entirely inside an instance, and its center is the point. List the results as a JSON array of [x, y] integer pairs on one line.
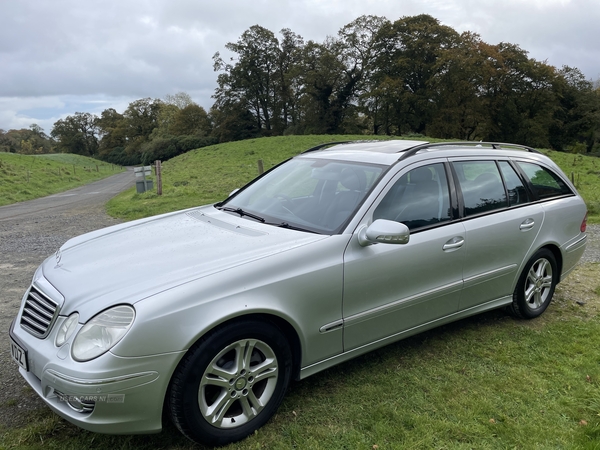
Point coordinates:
[[487, 382], [209, 174], [25, 177]]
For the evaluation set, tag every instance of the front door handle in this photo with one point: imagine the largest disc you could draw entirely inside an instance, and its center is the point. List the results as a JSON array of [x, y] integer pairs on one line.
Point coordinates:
[[454, 244], [527, 225]]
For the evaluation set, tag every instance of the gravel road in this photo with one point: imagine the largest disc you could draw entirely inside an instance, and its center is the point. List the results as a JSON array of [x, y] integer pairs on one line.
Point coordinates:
[[28, 237], [29, 232]]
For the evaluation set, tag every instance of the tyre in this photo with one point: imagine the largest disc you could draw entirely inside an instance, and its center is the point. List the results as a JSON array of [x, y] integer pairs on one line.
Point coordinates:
[[535, 288], [230, 383]]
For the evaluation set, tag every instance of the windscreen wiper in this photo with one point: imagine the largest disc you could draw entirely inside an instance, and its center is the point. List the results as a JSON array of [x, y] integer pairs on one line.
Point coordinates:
[[291, 227], [242, 213]]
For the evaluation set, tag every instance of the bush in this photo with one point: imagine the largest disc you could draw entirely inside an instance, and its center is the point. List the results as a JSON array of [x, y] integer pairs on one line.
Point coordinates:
[[167, 147], [120, 157]]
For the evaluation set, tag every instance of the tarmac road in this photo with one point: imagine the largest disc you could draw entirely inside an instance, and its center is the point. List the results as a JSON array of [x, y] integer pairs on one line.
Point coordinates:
[[96, 193], [30, 232]]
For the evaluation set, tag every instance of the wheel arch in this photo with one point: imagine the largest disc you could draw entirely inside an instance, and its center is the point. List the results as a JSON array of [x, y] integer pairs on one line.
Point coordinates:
[[284, 326], [289, 332], [557, 256]]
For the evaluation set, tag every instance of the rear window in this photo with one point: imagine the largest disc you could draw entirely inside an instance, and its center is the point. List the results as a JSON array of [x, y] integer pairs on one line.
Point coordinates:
[[545, 183]]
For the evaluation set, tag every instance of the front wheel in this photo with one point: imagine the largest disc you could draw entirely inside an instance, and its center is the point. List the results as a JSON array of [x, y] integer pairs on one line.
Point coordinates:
[[230, 383], [535, 288]]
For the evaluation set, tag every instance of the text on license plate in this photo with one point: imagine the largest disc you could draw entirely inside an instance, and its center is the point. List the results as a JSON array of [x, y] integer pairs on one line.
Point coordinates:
[[19, 354]]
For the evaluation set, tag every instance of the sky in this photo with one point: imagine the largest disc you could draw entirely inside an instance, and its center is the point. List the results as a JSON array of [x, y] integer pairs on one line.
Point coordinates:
[[59, 57]]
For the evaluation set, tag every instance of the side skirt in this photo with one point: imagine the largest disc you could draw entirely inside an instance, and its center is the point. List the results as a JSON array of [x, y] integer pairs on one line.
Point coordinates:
[[330, 362]]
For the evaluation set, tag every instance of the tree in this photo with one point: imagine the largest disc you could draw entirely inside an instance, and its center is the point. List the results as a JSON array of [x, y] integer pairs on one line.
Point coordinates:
[[251, 80], [264, 78], [456, 90], [358, 42], [38, 131], [26, 141], [191, 120], [409, 50], [180, 100], [77, 134], [233, 122], [321, 79], [140, 119], [518, 97], [287, 85], [112, 130], [577, 117]]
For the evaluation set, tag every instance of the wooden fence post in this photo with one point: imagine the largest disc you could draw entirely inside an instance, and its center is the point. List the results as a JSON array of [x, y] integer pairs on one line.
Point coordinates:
[[158, 169]]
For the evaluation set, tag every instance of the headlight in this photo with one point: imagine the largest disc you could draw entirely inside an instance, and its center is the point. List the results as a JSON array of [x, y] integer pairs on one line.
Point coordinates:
[[66, 329], [102, 332]]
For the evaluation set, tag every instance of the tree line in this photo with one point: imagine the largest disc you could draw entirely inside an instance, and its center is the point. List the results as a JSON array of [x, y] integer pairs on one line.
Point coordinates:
[[413, 76]]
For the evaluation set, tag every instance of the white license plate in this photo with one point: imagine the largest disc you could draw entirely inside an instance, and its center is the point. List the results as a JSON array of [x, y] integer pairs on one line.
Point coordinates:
[[19, 354]]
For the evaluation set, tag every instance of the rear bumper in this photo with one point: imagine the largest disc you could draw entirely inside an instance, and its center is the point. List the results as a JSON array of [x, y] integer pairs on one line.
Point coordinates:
[[572, 253]]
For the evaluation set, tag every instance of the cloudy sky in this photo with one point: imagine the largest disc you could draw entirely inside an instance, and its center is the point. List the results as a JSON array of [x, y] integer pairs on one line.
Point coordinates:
[[58, 57]]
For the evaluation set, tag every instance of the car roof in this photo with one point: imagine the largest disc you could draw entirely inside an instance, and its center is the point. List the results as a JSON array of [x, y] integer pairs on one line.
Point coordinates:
[[390, 151], [377, 152]]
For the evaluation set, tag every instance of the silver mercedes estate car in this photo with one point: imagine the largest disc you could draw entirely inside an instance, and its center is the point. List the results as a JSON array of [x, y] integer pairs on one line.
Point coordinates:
[[207, 314]]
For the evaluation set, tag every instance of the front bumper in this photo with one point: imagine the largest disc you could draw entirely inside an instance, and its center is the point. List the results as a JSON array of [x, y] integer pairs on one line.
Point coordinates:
[[110, 394]]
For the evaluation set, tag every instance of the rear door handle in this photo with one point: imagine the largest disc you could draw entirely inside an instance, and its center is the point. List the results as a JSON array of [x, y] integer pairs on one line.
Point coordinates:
[[527, 225], [454, 244]]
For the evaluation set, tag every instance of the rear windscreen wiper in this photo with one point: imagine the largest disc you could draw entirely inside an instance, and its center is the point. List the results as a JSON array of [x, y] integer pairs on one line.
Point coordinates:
[[242, 213]]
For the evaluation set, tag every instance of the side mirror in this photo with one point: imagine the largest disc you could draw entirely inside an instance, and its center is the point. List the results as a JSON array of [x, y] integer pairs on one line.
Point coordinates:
[[384, 232]]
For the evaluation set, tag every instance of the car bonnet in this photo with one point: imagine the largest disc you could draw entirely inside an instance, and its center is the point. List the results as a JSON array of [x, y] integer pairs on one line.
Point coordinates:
[[128, 264]]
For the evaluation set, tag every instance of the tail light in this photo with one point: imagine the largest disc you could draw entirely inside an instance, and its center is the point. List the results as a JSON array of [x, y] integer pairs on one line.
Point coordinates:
[[584, 224]]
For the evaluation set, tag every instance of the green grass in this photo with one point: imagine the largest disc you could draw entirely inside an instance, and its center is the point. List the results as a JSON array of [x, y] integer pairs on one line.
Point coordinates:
[[584, 171], [25, 177], [209, 174], [488, 382]]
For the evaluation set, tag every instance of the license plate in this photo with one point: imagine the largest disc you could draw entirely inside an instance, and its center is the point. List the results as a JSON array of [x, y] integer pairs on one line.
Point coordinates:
[[19, 355]]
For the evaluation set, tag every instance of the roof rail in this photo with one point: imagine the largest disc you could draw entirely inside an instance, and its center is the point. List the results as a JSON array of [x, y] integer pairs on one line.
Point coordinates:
[[494, 145], [327, 144]]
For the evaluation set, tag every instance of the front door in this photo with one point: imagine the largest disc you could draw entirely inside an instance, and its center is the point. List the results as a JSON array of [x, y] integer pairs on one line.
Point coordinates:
[[391, 288]]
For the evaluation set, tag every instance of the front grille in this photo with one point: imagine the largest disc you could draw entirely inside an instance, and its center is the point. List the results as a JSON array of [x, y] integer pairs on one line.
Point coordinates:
[[39, 313]]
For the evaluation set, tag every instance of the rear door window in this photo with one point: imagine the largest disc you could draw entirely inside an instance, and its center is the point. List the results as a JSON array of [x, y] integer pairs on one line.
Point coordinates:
[[481, 186], [517, 194]]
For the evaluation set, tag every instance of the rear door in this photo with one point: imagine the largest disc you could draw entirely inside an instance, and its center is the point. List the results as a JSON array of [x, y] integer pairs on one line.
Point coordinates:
[[501, 225]]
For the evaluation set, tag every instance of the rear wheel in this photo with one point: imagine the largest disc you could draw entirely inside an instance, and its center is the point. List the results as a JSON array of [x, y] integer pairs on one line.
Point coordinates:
[[230, 383], [535, 288]]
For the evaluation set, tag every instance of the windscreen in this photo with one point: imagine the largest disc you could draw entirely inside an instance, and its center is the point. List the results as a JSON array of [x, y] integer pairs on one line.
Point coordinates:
[[311, 194]]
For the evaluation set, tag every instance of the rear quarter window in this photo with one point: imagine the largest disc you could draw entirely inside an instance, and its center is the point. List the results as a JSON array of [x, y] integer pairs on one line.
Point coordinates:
[[545, 183]]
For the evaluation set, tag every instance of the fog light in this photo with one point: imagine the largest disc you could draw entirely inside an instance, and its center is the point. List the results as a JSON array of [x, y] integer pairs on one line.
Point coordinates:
[[80, 404]]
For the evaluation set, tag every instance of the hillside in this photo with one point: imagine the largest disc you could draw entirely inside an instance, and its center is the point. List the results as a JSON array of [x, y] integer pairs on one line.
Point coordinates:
[[25, 177], [209, 174]]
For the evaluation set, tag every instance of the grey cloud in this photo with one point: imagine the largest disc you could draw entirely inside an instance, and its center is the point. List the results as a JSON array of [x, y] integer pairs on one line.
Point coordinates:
[[118, 50]]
